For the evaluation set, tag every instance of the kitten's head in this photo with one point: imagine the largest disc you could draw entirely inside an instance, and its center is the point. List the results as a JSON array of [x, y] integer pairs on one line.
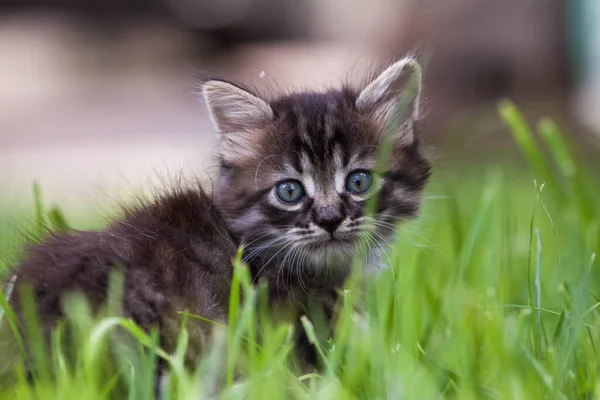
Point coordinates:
[[296, 171]]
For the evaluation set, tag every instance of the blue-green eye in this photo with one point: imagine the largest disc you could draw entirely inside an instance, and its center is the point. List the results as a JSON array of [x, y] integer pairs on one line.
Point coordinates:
[[289, 191], [359, 182]]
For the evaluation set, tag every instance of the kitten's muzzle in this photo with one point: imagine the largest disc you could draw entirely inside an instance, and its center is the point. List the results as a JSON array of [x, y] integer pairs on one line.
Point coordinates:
[[328, 218]]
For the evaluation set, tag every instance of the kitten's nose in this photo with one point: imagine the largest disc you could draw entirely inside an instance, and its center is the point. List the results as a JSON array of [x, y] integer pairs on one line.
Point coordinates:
[[328, 218]]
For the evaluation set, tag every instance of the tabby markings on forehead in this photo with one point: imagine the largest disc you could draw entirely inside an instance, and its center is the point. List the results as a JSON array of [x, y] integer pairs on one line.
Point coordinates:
[[330, 119], [305, 163], [307, 175], [302, 123], [340, 174]]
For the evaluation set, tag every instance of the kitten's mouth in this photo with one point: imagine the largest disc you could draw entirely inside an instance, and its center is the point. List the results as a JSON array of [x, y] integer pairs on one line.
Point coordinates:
[[331, 241]]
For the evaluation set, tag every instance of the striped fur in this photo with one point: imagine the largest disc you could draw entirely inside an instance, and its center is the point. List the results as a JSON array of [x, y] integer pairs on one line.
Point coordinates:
[[317, 138]]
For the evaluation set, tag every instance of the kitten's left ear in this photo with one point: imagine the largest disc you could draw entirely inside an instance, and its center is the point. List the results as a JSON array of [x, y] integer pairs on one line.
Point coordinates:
[[233, 110], [381, 97]]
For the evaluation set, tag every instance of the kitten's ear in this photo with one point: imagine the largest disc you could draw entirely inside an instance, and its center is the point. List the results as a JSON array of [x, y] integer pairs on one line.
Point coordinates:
[[234, 110], [381, 97]]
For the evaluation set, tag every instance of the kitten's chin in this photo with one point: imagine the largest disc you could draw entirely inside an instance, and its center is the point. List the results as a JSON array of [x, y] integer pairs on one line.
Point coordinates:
[[337, 257], [332, 256]]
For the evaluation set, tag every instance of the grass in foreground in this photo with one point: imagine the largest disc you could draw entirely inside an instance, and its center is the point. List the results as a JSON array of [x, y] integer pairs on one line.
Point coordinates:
[[494, 293]]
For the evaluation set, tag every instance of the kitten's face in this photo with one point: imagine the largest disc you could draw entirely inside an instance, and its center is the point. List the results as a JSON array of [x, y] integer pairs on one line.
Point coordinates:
[[296, 172]]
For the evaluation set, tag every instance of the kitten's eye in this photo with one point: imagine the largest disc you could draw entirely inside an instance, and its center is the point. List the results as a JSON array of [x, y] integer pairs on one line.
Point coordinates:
[[289, 191], [359, 182]]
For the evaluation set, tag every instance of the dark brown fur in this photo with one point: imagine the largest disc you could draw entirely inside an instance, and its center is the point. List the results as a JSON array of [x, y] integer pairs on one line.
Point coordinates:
[[177, 251], [176, 255]]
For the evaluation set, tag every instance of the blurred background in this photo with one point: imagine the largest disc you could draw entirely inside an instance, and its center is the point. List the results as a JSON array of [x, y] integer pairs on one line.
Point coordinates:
[[97, 97]]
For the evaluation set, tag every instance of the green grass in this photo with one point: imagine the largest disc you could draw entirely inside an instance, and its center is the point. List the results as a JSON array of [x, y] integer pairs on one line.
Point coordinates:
[[494, 293]]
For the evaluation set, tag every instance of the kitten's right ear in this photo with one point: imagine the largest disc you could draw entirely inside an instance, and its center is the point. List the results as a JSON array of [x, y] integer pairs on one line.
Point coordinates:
[[234, 110], [381, 97]]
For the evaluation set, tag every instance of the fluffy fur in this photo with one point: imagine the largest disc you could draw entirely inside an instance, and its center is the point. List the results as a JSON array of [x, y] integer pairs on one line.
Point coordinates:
[[176, 252]]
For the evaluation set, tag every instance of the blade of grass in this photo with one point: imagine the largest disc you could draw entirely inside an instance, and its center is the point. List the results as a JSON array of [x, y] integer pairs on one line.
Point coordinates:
[[58, 221], [544, 376], [34, 334], [538, 295], [558, 330], [523, 136], [578, 188], [6, 296], [40, 216]]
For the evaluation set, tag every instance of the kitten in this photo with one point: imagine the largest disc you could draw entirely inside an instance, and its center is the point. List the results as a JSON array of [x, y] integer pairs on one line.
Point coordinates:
[[295, 173]]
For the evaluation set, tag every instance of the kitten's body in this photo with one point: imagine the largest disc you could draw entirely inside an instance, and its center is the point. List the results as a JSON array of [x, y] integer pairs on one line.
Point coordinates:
[[177, 251], [176, 255]]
